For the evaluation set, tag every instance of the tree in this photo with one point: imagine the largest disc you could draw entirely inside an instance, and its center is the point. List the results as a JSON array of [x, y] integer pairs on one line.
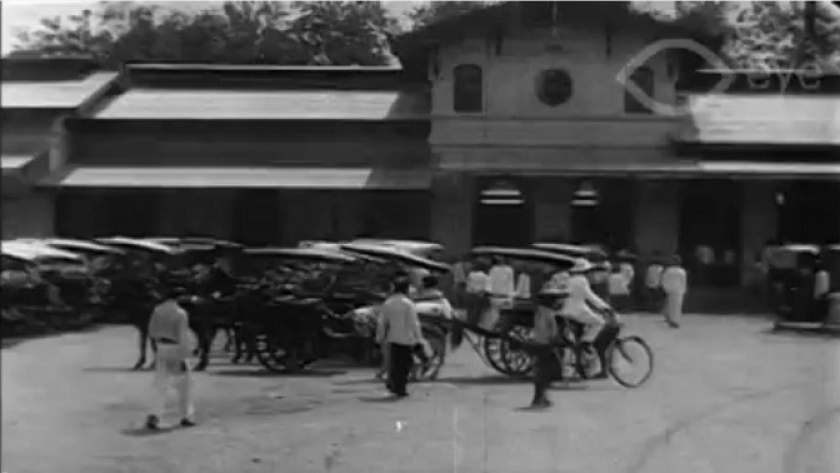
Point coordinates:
[[763, 35], [433, 12], [338, 33]]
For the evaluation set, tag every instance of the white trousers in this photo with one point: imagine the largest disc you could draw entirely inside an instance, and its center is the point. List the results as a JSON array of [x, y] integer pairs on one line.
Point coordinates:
[[170, 373], [674, 306], [493, 313], [592, 322]]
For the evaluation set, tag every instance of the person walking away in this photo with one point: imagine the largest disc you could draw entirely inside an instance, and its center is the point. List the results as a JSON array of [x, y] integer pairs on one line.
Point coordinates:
[[580, 302], [168, 328], [545, 333], [619, 288], [653, 284], [400, 328], [476, 295], [501, 290], [675, 285]]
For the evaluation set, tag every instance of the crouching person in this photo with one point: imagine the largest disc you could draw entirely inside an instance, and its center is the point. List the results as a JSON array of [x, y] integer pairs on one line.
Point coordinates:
[[168, 330]]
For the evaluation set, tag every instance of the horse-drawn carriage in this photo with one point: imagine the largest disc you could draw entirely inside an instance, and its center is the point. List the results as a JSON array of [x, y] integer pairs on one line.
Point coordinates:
[[506, 347], [305, 304], [45, 287], [793, 277]]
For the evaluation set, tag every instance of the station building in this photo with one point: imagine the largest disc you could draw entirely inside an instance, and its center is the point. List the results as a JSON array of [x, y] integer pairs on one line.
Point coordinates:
[[503, 126]]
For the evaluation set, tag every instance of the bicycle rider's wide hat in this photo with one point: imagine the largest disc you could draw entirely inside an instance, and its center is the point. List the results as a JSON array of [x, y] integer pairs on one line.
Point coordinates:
[[581, 265]]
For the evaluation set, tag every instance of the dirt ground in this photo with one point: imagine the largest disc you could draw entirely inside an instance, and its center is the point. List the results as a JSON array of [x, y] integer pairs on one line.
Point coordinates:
[[727, 396]]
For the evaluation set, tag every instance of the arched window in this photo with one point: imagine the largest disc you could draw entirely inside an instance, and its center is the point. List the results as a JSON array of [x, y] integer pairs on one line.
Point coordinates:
[[643, 78], [468, 89]]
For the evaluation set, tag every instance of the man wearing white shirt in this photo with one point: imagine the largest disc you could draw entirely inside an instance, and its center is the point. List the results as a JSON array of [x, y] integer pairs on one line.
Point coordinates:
[[501, 288], [476, 292], [675, 285], [399, 327], [653, 285], [577, 305]]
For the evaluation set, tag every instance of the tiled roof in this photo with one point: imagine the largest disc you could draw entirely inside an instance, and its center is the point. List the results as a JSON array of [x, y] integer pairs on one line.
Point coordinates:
[[243, 177], [203, 104], [53, 94], [763, 119]]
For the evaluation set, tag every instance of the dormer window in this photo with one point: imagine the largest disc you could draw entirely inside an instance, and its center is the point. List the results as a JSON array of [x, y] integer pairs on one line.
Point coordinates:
[[643, 78], [468, 89]]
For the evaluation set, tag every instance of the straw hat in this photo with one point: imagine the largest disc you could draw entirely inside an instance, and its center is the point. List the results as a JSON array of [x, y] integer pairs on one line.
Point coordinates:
[[582, 265]]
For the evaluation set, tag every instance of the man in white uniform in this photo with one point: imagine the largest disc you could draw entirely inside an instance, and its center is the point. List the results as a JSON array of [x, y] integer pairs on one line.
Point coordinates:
[[169, 328], [675, 285], [501, 290], [576, 306]]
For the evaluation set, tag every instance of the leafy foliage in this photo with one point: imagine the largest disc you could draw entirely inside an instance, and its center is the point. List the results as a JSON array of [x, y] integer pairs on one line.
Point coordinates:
[[301, 33], [436, 11], [764, 35]]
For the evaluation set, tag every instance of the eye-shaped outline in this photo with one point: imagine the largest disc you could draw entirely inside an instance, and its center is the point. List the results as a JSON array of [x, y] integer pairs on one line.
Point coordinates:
[[657, 47]]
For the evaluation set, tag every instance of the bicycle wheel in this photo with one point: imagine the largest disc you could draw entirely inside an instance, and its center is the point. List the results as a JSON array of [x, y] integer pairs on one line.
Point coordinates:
[[630, 361]]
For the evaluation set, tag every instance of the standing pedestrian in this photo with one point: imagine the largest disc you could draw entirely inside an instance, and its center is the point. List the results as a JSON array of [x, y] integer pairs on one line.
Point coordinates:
[[619, 288], [675, 285], [399, 327], [476, 292], [653, 285], [460, 270], [168, 329], [502, 289], [545, 334]]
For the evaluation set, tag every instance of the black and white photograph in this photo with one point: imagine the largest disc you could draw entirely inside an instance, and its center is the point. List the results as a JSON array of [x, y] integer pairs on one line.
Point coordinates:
[[420, 236]]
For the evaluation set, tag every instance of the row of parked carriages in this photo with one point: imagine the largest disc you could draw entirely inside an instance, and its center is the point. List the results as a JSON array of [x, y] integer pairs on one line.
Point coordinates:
[[288, 307]]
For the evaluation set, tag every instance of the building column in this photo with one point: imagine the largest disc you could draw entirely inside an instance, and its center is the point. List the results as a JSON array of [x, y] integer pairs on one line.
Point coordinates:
[[758, 221], [552, 200], [658, 207], [452, 211]]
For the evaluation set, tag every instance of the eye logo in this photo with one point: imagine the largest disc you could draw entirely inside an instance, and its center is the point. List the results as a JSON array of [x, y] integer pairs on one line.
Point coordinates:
[[657, 47]]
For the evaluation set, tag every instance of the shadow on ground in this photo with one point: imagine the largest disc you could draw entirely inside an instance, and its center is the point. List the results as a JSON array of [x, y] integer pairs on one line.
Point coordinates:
[[261, 373]]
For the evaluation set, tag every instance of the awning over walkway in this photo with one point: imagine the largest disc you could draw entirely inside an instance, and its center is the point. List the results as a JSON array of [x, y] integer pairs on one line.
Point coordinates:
[[762, 119], [238, 177], [630, 164], [216, 104], [15, 163]]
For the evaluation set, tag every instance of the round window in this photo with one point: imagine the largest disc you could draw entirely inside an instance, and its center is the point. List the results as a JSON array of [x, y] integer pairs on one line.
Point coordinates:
[[554, 87]]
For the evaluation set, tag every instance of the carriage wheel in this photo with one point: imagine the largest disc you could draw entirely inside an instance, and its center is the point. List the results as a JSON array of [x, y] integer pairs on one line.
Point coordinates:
[[630, 361], [275, 355], [493, 353], [517, 361]]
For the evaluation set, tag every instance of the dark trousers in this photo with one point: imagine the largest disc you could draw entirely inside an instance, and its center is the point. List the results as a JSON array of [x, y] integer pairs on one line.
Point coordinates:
[[544, 370], [401, 360]]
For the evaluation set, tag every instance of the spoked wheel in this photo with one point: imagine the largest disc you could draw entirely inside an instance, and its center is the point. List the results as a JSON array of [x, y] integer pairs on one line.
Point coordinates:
[[275, 355], [517, 361], [493, 353], [630, 361]]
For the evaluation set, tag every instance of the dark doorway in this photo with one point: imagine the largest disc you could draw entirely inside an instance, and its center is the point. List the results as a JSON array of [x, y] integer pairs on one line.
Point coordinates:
[[257, 217], [503, 215], [130, 213], [809, 212], [710, 232], [602, 214]]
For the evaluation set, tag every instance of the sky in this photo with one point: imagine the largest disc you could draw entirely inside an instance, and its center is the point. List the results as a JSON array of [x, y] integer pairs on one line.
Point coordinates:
[[27, 13]]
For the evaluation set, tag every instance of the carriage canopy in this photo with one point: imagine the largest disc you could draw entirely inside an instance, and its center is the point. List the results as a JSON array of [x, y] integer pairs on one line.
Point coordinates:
[[527, 254], [396, 254]]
